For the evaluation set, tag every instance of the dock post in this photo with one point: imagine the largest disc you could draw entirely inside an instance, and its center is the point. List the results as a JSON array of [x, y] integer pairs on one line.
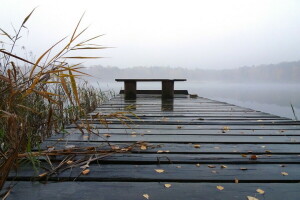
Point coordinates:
[[130, 90], [167, 89]]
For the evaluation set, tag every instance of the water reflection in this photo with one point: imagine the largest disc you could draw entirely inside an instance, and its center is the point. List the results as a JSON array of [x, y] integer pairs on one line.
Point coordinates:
[[167, 104]]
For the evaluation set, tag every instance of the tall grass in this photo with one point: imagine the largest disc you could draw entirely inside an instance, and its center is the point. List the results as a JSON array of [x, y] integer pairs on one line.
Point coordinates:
[[40, 96]]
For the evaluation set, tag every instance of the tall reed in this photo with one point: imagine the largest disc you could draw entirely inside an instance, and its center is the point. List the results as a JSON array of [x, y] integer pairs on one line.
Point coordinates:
[[41, 96]]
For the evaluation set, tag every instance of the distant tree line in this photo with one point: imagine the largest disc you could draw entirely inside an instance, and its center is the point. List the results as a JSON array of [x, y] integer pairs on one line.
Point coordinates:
[[288, 72]]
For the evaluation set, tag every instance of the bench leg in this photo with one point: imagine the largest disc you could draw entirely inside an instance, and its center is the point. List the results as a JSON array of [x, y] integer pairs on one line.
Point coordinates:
[[130, 89], [167, 89]]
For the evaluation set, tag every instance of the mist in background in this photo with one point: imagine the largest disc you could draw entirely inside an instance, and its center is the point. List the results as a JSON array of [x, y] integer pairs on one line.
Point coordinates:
[[242, 52]]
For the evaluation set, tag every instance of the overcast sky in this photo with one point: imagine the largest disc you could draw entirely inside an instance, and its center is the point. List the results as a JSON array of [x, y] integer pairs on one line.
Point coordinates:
[[177, 33]]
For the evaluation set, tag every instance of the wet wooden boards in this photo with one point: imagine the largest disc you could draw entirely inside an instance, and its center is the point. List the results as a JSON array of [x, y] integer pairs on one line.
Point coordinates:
[[185, 148]]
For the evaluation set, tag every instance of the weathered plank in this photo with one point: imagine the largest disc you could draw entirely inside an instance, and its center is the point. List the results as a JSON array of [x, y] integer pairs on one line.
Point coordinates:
[[155, 190]]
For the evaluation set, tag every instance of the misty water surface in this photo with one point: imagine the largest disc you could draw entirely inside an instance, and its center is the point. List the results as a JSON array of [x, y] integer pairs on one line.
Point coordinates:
[[267, 97]]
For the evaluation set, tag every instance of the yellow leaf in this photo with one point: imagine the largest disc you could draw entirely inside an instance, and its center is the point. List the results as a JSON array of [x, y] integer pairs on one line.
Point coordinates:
[[284, 173], [160, 151], [196, 145], [43, 174], [244, 155], [236, 180], [143, 147], [260, 191], [251, 198], [159, 170], [146, 196], [168, 185], [86, 171], [69, 162], [219, 187], [198, 165]]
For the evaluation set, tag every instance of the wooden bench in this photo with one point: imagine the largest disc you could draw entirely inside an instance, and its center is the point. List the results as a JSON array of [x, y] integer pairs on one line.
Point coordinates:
[[167, 87]]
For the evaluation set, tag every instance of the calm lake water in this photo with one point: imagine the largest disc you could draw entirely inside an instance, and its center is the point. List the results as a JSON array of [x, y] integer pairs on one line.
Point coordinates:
[[271, 98]]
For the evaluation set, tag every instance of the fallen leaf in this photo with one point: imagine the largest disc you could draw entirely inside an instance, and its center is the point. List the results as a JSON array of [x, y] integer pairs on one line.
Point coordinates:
[[106, 135], [143, 147], [69, 146], [43, 174], [268, 151], [223, 166], [253, 157], [251, 198], [178, 166], [50, 148], [69, 162], [243, 168], [226, 128], [133, 132], [211, 166], [159, 170], [85, 137], [197, 145], [244, 155], [261, 137], [133, 135], [219, 187], [284, 173], [259, 120], [179, 127], [214, 172], [86, 171], [146, 196], [160, 151], [217, 147], [148, 131], [260, 191], [115, 147], [198, 165], [236, 180], [168, 185], [263, 146]]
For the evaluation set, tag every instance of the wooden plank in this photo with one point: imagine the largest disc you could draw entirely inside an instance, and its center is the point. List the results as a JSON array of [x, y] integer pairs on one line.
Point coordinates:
[[182, 138], [195, 127], [172, 172], [210, 148], [155, 190], [137, 131]]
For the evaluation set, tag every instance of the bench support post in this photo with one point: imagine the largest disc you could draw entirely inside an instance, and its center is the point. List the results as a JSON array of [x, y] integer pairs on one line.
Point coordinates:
[[167, 89], [130, 90]]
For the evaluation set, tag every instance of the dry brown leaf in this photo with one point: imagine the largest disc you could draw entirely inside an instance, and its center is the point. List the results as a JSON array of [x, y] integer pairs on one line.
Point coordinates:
[[211, 166], [223, 166], [179, 127], [168, 185], [159, 170], [260, 191], [244, 155], [106, 135], [219, 187], [251, 198], [197, 145], [243, 168], [284, 173], [253, 157], [146, 196], [268, 151], [86, 171], [160, 151], [133, 135]]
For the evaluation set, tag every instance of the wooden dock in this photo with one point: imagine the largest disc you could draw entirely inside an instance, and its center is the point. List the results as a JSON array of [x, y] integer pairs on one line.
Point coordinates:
[[185, 148]]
